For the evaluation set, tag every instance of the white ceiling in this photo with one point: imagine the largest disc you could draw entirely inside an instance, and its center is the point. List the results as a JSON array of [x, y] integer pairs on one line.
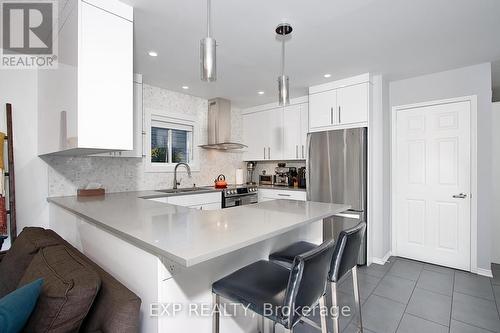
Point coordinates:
[[398, 38]]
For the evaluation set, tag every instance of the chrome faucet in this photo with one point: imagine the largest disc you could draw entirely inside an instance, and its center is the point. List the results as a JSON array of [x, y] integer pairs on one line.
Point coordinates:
[[175, 173]]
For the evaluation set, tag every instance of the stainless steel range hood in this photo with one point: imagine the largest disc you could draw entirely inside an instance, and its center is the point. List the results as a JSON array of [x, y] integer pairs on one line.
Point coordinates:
[[219, 126]]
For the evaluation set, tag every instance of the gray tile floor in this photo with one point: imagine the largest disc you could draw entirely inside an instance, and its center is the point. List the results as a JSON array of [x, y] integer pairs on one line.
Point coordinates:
[[406, 296]]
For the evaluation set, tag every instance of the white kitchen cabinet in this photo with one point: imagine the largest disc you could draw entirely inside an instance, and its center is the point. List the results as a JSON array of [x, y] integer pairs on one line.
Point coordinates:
[[256, 135], [277, 194], [203, 201], [353, 104], [340, 104], [276, 133], [86, 105], [139, 133], [263, 134], [322, 107], [295, 131]]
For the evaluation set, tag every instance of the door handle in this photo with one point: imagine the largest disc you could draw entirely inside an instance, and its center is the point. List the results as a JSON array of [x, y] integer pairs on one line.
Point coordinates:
[[264, 152], [284, 195], [340, 121], [296, 151], [269, 153], [331, 115], [460, 196], [303, 151]]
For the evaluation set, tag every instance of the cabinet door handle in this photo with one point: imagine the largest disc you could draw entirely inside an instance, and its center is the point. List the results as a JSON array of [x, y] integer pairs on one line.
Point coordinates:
[[296, 151], [331, 115], [284, 195], [340, 121], [269, 152], [303, 152], [264, 152]]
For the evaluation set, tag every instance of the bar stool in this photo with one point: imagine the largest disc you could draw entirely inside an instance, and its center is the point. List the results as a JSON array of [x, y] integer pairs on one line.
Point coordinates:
[[344, 260], [291, 293]]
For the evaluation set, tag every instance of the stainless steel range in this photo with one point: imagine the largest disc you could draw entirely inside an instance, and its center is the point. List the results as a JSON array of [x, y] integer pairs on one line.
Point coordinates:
[[239, 195]]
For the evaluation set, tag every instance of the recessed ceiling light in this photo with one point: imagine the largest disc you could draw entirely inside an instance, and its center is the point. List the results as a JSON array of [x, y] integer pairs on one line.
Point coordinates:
[[327, 75], [153, 53], [260, 92], [185, 87]]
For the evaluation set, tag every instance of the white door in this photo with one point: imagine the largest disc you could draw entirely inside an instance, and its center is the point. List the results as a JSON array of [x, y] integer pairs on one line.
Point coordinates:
[[433, 166], [274, 117], [352, 104], [105, 80], [256, 135], [304, 128], [322, 107], [291, 136]]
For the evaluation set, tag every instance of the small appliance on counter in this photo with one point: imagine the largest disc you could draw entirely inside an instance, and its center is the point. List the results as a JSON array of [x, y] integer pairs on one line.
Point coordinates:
[[250, 170], [266, 179], [301, 176], [282, 176]]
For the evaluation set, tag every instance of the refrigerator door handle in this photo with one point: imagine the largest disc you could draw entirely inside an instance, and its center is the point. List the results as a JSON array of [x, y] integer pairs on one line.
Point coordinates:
[[308, 168]]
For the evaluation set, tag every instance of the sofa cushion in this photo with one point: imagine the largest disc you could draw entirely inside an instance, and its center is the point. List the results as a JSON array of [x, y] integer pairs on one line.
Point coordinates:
[[69, 289], [16, 307], [17, 259], [115, 309]]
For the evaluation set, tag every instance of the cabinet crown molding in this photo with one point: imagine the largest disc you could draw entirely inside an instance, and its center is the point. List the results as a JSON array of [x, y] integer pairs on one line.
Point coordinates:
[[350, 81]]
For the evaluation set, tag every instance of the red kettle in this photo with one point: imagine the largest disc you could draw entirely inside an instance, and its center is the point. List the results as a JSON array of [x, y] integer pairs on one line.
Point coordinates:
[[220, 182]]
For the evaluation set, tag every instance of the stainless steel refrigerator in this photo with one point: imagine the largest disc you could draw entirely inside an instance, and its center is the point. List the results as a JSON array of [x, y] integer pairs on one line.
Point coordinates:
[[337, 173]]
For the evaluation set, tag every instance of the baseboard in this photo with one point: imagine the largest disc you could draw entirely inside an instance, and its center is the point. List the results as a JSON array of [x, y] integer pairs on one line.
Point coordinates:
[[382, 261], [484, 272]]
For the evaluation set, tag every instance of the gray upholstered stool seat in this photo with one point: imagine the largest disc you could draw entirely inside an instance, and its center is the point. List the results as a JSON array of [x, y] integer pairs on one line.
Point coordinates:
[[257, 284], [288, 254]]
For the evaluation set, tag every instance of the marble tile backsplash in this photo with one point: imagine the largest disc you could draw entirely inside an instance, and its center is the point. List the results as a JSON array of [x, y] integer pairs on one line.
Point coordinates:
[[117, 174]]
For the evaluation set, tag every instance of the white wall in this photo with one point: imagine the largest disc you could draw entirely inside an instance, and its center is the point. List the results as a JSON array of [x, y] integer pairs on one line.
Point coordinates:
[[495, 125], [18, 87], [473, 80]]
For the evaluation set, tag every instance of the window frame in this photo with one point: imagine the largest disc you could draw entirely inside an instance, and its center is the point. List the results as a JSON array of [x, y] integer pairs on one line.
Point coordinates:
[[157, 118]]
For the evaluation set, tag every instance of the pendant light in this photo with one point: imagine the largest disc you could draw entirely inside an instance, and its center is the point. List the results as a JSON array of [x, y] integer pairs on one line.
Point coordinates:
[[208, 52], [283, 30]]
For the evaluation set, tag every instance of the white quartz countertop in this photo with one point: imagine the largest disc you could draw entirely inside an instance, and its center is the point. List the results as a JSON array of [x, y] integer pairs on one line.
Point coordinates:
[[191, 236]]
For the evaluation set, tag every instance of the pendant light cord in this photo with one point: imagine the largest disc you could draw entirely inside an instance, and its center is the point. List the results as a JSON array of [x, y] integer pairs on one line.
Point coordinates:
[[283, 56], [209, 6]]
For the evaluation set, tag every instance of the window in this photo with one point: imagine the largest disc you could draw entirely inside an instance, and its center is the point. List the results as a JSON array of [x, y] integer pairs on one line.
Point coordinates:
[[171, 143]]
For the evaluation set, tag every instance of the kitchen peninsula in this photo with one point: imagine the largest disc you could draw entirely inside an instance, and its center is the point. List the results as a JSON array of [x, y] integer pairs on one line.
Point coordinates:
[[171, 254]]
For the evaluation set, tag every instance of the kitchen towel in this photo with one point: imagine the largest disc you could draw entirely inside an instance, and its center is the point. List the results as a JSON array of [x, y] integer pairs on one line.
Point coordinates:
[[239, 176]]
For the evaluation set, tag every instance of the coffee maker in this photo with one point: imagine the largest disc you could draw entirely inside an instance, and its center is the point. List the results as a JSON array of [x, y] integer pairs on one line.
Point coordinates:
[[282, 175]]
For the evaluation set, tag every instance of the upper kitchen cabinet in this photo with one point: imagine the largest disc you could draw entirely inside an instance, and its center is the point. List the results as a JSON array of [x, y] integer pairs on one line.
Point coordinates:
[[86, 105], [276, 133], [295, 119], [339, 104]]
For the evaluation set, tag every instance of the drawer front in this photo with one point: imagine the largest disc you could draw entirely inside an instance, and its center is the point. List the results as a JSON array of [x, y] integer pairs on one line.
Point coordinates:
[[195, 199], [281, 194]]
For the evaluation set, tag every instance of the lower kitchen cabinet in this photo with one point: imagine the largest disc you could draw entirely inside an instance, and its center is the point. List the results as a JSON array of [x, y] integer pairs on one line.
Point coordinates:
[[203, 201], [277, 194]]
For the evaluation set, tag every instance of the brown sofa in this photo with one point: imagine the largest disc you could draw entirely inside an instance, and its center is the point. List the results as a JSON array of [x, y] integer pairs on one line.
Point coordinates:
[[77, 295]]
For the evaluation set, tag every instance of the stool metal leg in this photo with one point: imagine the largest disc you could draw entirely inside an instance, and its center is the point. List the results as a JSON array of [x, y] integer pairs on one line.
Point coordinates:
[[357, 300], [216, 313], [336, 314], [322, 314], [262, 324]]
